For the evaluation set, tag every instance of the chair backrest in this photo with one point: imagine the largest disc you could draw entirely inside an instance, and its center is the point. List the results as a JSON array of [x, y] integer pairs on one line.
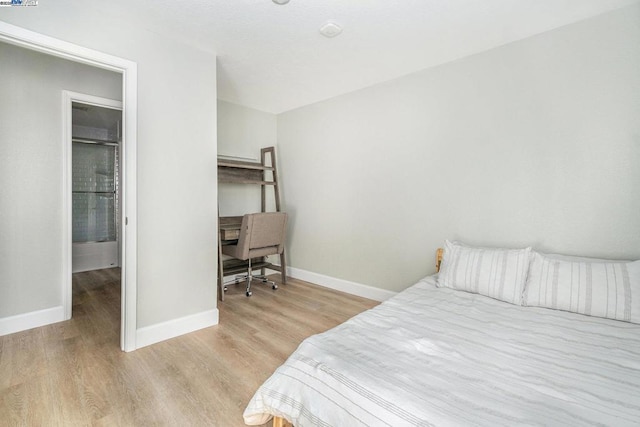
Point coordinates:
[[262, 233]]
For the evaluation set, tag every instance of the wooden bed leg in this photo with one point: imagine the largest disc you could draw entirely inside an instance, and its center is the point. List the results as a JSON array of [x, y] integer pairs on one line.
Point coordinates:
[[281, 422]]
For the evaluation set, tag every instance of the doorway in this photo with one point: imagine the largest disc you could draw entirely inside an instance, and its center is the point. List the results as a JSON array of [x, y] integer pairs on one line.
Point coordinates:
[[95, 191], [128, 69], [95, 186]]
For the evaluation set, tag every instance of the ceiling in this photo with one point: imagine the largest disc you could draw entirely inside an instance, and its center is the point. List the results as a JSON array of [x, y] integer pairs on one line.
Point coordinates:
[[273, 58]]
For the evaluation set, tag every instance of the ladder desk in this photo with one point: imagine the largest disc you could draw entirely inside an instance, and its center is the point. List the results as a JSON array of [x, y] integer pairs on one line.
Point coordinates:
[[264, 174]]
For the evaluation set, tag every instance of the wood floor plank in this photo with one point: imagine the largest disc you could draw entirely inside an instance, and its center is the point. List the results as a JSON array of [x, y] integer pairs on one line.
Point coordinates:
[[73, 373]]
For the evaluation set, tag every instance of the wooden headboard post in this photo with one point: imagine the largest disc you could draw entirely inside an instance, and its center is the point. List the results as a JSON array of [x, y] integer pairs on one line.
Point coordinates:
[[280, 422], [439, 253]]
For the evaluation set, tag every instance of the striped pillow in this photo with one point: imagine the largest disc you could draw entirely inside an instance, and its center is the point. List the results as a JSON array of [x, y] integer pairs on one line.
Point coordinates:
[[608, 289], [496, 273]]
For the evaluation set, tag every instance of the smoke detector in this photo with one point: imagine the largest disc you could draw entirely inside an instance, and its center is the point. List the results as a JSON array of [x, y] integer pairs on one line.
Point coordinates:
[[330, 29], [281, 1]]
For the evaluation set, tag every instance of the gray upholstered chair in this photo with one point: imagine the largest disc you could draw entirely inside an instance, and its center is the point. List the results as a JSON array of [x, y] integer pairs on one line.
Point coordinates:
[[261, 234]]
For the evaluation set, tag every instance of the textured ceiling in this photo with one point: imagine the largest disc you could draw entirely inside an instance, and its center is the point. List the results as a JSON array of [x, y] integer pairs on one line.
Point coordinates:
[[273, 58]]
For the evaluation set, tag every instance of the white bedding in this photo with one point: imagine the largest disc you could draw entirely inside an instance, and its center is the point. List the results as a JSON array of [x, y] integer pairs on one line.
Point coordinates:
[[436, 356]]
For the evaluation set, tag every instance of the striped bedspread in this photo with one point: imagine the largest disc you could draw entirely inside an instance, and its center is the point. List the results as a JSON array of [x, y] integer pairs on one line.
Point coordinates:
[[435, 356]]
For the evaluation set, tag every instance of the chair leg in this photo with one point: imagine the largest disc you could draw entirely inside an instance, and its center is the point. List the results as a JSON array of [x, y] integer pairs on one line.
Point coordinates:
[[265, 279], [249, 277]]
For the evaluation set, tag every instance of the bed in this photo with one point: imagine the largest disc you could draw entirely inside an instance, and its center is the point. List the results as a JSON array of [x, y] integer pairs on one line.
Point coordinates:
[[452, 355]]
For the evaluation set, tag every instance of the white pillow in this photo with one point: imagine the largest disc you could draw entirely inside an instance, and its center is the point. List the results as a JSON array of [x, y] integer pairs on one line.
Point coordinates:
[[496, 273], [599, 288]]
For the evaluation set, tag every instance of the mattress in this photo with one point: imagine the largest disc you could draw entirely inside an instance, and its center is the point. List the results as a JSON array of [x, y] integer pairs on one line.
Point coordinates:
[[436, 356]]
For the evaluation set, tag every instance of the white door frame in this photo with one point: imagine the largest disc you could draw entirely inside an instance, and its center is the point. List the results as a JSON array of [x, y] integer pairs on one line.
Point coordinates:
[[129, 70]]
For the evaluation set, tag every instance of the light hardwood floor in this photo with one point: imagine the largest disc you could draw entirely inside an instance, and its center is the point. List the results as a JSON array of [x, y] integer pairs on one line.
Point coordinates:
[[73, 373]]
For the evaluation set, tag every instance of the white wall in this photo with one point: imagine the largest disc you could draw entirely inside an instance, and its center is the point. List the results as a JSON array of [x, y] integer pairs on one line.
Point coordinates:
[[176, 153], [31, 156], [242, 132], [533, 143]]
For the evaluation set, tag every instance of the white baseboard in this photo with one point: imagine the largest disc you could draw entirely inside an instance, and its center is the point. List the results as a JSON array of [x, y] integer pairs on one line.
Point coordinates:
[[34, 319], [176, 327], [342, 285]]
